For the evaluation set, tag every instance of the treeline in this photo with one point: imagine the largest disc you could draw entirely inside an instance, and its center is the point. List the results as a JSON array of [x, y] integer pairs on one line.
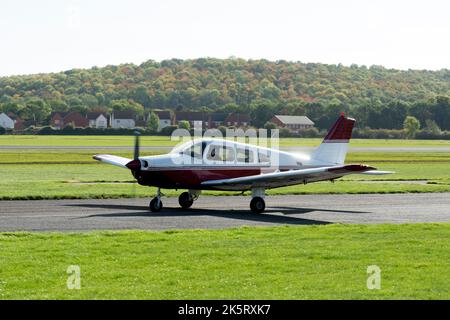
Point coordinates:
[[377, 97]]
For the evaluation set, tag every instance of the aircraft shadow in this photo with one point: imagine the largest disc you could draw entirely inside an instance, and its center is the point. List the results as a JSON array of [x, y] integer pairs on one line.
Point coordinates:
[[267, 216]]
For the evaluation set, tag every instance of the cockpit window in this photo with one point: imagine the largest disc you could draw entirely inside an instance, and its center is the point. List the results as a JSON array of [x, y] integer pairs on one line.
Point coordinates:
[[194, 150]]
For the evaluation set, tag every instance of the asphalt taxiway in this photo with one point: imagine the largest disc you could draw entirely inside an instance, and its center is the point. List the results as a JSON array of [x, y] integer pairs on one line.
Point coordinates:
[[215, 212]]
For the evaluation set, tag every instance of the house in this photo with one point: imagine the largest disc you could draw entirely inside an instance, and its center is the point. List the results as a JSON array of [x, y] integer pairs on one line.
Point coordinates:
[[57, 119], [19, 124], [6, 121], [165, 119], [123, 119], [76, 120], [217, 119], [97, 120], [237, 120], [60, 120], [293, 123], [194, 118]]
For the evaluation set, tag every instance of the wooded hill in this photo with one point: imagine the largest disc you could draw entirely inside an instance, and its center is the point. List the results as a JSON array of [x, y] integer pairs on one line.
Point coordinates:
[[377, 97]]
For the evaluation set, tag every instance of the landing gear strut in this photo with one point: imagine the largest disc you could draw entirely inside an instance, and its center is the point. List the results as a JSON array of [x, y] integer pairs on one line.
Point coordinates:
[[156, 204], [186, 199], [257, 205]]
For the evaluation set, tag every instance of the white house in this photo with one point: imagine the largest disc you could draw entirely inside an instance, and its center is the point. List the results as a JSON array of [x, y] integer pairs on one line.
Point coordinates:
[[6, 122], [123, 119], [97, 120]]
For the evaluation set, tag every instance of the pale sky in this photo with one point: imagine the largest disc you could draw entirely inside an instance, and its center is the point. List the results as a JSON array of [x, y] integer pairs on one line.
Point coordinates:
[[55, 35]]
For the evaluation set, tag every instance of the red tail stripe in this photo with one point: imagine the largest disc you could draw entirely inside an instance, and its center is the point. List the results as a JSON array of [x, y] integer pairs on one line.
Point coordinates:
[[341, 130]]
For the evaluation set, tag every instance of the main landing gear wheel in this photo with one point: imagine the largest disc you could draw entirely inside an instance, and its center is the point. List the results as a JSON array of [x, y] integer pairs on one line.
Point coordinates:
[[185, 200], [156, 205], [257, 205]]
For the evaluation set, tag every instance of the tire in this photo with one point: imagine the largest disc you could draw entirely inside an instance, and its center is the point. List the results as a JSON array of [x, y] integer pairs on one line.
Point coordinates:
[[185, 200], [155, 205], [257, 205]]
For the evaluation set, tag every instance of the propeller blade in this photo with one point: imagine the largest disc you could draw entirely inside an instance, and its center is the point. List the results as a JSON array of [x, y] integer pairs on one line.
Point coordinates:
[[136, 145]]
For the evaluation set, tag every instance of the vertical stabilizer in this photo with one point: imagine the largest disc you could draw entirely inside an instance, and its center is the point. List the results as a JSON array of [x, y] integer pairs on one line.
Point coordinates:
[[334, 147]]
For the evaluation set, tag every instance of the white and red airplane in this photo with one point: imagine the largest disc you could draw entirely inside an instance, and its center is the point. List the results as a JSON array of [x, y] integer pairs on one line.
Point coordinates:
[[218, 164]]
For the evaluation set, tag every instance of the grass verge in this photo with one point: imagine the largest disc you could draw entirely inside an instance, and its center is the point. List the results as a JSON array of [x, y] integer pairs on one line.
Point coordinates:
[[301, 262]]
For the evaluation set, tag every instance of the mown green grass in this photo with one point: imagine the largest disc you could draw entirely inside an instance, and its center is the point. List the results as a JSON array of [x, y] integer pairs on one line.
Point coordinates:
[[295, 262], [126, 141]]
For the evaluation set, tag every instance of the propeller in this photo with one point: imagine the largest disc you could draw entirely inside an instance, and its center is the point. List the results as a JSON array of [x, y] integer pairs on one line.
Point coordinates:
[[135, 164]]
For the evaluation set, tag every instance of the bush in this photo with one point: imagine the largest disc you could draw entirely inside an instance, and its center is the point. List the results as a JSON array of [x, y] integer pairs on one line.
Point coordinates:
[[167, 131], [378, 134], [2, 130], [309, 133], [429, 135], [47, 130]]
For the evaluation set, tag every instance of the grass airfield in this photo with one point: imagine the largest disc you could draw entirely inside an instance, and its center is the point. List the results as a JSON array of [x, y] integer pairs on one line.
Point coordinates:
[[301, 262], [314, 262]]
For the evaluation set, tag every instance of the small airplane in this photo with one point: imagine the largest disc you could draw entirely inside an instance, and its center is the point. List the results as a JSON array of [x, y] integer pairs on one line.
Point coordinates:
[[218, 164]]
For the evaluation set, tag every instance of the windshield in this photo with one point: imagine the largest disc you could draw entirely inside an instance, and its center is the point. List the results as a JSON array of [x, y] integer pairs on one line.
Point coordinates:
[[193, 149]]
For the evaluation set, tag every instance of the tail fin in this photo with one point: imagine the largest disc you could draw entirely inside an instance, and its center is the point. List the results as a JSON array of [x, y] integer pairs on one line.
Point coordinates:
[[334, 147]]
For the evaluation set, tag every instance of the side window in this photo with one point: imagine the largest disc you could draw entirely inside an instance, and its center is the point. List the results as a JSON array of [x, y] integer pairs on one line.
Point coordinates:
[[244, 155], [264, 157], [220, 153], [227, 153]]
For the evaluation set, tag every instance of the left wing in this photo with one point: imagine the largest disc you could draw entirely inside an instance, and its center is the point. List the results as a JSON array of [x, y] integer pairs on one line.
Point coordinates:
[[285, 178]]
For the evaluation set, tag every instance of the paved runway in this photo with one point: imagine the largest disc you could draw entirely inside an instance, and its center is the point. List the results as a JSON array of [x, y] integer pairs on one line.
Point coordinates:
[[222, 212]]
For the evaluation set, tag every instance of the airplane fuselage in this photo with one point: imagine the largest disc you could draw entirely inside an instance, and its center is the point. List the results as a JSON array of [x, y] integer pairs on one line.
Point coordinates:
[[164, 171]]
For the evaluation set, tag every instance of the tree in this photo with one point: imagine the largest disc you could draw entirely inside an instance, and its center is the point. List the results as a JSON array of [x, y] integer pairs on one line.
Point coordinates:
[[270, 125], [153, 122], [411, 125], [140, 95], [263, 111], [183, 124], [127, 105], [432, 127], [36, 110]]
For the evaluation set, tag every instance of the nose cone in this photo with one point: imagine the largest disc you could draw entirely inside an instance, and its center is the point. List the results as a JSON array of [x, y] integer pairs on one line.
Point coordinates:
[[134, 165]]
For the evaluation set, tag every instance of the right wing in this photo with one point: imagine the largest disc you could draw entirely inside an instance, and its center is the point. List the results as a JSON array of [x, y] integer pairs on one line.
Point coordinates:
[[114, 160]]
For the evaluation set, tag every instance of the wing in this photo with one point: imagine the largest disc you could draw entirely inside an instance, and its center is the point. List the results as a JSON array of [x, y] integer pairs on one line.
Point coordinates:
[[114, 160], [285, 178]]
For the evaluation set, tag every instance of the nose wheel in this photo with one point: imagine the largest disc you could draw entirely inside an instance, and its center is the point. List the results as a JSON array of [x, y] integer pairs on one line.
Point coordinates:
[[156, 204]]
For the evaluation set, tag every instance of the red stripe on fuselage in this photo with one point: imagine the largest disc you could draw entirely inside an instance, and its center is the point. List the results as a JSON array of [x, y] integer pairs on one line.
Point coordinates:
[[192, 177]]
